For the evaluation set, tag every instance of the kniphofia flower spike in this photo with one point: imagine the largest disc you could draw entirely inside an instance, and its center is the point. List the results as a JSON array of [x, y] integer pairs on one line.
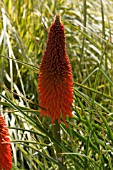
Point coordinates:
[[55, 85], [5, 150]]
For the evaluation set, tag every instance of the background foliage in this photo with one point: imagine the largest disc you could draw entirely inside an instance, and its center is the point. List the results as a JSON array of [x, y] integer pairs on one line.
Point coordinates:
[[88, 142]]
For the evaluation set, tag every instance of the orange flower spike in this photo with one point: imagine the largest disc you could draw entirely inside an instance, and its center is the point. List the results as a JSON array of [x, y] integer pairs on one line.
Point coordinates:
[[5, 150], [55, 85]]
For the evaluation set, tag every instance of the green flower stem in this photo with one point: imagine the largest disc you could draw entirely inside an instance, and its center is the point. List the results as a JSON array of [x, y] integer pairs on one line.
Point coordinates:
[[56, 134]]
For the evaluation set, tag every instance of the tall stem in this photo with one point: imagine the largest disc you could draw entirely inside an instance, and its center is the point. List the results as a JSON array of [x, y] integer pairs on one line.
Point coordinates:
[[57, 136]]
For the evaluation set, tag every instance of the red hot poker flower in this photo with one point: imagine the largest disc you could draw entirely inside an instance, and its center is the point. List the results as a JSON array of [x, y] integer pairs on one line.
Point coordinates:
[[55, 85], [5, 150]]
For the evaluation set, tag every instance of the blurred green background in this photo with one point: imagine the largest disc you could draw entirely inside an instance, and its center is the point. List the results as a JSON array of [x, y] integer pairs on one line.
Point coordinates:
[[88, 142]]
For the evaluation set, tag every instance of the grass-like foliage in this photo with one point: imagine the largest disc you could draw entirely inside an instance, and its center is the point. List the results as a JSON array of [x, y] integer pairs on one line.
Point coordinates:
[[87, 143]]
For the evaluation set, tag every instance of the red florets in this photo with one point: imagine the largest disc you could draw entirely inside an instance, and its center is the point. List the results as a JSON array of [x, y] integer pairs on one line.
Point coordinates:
[[5, 150], [55, 84]]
